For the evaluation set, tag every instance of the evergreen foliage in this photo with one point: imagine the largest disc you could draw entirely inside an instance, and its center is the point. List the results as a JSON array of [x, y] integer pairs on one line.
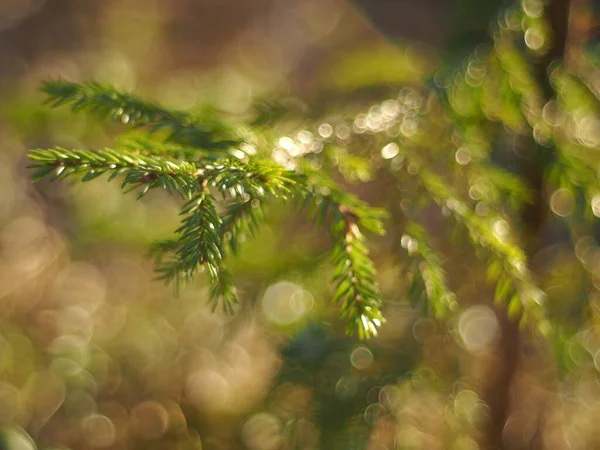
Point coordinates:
[[242, 183], [440, 146], [471, 197]]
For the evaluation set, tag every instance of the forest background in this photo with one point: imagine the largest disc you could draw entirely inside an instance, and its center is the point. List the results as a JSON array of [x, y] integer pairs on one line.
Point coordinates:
[[95, 353]]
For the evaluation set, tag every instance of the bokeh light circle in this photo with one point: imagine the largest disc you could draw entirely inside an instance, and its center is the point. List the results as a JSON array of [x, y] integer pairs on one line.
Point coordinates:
[[361, 358], [478, 328], [562, 202], [284, 303]]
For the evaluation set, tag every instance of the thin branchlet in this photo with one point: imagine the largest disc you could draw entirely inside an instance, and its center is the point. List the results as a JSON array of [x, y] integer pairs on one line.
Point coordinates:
[[105, 101], [417, 243]]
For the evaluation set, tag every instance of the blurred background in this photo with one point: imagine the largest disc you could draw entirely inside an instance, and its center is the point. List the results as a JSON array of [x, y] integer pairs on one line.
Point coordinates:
[[96, 354]]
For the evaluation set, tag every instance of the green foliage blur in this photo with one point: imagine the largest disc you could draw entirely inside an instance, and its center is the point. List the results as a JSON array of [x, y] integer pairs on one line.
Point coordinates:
[[489, 271]]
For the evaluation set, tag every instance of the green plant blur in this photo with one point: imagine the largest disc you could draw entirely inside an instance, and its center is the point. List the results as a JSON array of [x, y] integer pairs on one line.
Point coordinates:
[[345, 264]]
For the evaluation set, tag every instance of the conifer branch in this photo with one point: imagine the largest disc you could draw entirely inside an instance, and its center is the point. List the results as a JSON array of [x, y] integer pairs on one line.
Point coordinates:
[[357, 289], [440, 297], [108, 102], [199, 242], [139, 170], [255, 178], [197, 163], [239, 217], [143, 144], [223, 291], [507, 263], [354, 275], [197, 248]]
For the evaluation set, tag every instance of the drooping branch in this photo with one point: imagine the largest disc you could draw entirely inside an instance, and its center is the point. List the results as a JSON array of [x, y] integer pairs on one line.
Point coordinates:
[[200, 242]]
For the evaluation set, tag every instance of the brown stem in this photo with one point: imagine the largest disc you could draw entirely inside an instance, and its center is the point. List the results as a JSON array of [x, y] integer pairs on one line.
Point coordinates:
[[505, 368], [502, 373], [557, 13]]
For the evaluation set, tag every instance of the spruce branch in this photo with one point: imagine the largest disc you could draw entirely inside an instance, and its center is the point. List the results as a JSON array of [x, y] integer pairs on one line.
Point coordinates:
[[354, 275], [440, 297], [200, 240], [198, 247], [108, 102], [140, 143], [502, 251], [223, 291], [240, 217], [357, 289], [255, 178], [198, 243], [138, 170], [507, 263], [244, 184]]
